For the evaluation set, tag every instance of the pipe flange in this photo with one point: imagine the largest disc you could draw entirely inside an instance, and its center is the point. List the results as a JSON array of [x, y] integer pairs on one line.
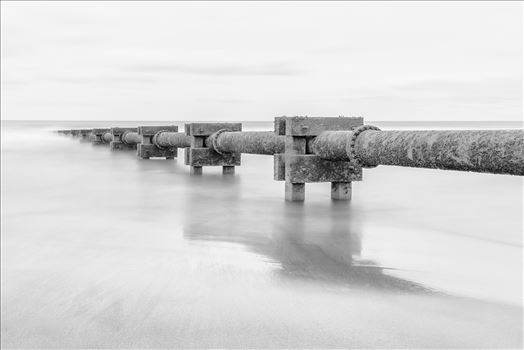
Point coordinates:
[[155, 137], [102, 137], [214, 138], [123, 137], [350, 150]]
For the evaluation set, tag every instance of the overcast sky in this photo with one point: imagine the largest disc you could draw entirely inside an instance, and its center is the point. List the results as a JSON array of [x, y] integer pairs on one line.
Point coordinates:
[[254, 61]]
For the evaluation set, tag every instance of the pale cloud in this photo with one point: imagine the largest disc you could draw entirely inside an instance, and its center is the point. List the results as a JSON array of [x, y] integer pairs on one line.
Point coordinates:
[[186, 60], [216, 69]]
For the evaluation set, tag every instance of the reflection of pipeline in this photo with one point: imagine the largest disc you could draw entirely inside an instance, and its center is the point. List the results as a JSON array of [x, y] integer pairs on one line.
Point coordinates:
[[211, 209], [491, 151], [307, 242], [314, 245], [317, 242]]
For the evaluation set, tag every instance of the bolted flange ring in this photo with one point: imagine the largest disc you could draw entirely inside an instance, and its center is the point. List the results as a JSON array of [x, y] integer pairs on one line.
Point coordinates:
[[155, 138], [214, 138], [350, 150]]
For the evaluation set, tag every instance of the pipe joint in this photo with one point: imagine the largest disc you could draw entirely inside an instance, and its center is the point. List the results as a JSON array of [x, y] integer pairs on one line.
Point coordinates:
[[350, 150], [155, 137], [214, 140]]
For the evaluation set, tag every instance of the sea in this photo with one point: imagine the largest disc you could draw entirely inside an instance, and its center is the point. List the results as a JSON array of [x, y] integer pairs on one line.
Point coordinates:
[[102, 249]]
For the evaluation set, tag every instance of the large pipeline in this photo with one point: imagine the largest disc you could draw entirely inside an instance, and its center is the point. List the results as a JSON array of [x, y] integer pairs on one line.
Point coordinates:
[[254, 142], [131, 138], [172, 139], [486, 151]]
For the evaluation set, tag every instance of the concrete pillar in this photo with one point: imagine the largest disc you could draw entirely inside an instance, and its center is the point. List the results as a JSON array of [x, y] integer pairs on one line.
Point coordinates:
[[195, 170], [295, 192], [295, 145], [228, 170], [341, 190]]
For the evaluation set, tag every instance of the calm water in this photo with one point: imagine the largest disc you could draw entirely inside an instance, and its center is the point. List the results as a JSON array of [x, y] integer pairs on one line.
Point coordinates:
[[103, 249]]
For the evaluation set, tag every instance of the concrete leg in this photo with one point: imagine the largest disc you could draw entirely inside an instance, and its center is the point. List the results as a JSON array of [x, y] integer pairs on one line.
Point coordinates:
[[228, 170], [295, 191], [341, 191], [195, 170]]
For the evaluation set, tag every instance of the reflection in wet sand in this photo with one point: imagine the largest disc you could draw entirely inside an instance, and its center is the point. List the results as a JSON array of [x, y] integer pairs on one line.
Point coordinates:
[[320, 243]]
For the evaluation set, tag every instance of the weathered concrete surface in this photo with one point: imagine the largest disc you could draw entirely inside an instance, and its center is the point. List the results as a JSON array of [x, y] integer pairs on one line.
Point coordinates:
[[313, 126], [299, 164], [85, 135], [206, 129], [200, 154], [147, 149], [198, 157], [172, 139], [125, 138], [254, 142], [101, 136], [279, 167], [491, 151], [151, 151], [311, 168], [341, 190]]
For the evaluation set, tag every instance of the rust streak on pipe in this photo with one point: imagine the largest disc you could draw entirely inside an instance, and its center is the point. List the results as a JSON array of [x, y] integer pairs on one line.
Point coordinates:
[[486, 151], [131, 138], [172, 139], [254, 142], [491, 151]]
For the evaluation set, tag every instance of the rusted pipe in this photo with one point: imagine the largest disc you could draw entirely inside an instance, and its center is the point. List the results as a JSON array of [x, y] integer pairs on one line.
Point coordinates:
[[106, 137], [491, 151], [254, 142], [131, 138], [171, 139], [486, 151], [331, 145]]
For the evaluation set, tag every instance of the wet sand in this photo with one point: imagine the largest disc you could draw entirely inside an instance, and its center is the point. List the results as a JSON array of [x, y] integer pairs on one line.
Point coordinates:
[[100, 249]]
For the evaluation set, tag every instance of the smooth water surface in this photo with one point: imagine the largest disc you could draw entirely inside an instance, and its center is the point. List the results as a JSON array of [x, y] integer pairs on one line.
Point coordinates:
[[101, 249]]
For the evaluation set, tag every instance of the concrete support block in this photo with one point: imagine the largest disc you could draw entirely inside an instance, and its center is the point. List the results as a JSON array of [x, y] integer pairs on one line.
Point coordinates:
[[228, 170], [118, 143], [279, 167], [311, 168], [200, 154], [147, 149], [85, 135], [208, 157], [101, 136], [298, 164]]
